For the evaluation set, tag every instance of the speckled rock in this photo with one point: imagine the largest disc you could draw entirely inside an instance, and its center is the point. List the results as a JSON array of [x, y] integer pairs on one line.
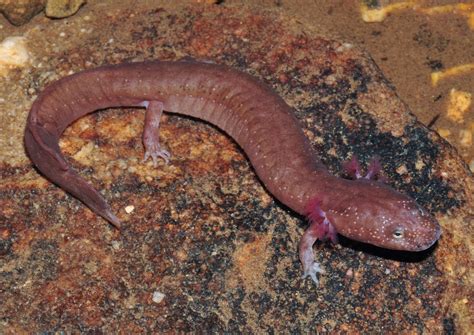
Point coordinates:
[[19, 12], [63, 8], [205, 248]]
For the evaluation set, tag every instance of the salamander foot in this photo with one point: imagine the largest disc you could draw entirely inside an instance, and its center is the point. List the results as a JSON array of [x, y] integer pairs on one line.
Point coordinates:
[[311, 271], [154, 152]]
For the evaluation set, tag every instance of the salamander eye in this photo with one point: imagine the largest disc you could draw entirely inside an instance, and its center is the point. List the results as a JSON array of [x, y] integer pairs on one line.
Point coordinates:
[[398, 233]]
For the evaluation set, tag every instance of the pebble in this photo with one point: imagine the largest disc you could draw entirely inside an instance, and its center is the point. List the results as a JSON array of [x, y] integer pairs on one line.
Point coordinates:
[[158, 297]]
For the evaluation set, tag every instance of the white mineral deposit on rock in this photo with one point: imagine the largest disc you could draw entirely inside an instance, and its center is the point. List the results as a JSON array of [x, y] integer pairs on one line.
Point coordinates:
[[13, 53]]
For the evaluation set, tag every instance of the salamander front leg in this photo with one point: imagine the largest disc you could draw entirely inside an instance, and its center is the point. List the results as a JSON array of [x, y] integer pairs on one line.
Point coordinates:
[[319, 228], [154, 110], [310, 267]]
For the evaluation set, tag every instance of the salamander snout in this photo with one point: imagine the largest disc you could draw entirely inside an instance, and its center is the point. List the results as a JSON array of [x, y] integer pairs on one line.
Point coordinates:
[[415, 229], [403, 225], [379, 215]]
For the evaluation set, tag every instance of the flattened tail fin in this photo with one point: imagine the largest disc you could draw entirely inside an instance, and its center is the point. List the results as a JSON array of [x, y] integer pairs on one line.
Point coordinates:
[[74, 184], [46, 143], [43, 149], [112, 219]]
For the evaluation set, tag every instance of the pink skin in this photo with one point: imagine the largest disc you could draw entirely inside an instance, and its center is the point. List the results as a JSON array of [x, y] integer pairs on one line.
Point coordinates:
[[320, 226], [398, 224], [151, 141], [263, 125]]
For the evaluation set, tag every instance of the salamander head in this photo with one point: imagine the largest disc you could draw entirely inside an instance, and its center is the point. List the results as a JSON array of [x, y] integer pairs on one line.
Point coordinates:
[[374, 213]]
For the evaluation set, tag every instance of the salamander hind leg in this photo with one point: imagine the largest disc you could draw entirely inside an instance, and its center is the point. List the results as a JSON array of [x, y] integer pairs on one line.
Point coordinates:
[[151, 142]]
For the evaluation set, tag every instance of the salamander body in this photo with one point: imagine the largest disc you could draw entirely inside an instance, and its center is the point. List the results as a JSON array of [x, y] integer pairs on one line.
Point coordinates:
[[257, 119]]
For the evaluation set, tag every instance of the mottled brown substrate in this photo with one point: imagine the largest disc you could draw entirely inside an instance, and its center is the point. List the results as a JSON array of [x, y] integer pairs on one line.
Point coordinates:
[[203, 231]]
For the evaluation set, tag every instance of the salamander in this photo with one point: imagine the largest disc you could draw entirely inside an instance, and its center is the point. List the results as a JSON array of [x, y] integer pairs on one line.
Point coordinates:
[[258, 119]]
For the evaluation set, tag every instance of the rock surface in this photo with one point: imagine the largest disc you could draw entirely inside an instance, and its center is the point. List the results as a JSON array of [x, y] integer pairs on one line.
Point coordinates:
[[206, 247], [62, 8], [19, 12]]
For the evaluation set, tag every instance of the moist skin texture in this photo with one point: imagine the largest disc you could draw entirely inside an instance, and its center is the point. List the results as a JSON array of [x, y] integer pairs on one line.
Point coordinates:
[[254, 116]]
